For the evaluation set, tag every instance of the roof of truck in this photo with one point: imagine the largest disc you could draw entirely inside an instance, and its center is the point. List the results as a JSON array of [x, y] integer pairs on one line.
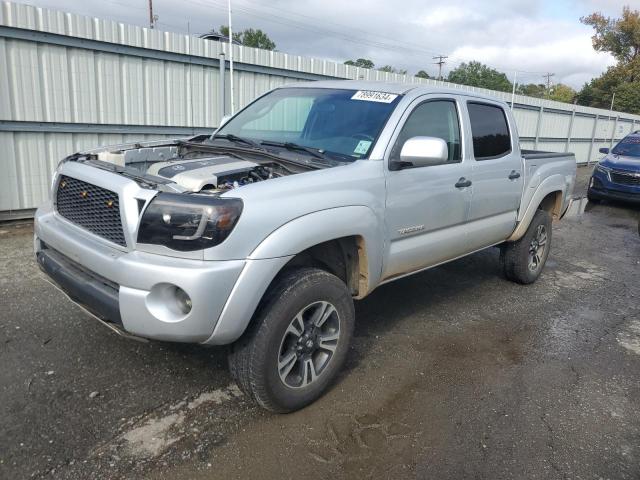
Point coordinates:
[[388, 87]]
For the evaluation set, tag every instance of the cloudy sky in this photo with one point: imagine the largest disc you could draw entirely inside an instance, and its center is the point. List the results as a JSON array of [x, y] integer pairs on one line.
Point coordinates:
[[528, 36]]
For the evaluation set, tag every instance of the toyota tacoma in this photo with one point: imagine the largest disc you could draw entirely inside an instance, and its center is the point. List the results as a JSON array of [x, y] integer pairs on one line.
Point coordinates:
[[261, 235]]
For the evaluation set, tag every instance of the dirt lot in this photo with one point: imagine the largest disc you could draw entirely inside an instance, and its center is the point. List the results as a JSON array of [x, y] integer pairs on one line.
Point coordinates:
[[454, 373]]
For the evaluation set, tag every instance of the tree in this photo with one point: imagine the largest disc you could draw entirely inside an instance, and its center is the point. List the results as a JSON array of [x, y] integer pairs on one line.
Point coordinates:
[[360, 62], [390, 69], [618, 36], [532, 90], [423, 74], [475, 74], [251, 38], [562, 93], [621, 38]]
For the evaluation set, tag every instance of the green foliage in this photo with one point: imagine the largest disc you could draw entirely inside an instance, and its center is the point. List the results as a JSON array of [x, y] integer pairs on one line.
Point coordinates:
[[618, 36], [423, 74], [475, 74], [390, 69], [360, 62], [623, 80], [532, 90], [251, 38], [562, 93], [621, 38]]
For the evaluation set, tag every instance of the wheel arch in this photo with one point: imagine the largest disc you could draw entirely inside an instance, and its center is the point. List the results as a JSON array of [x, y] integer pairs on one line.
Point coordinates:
[[345, 241], [549, 196]]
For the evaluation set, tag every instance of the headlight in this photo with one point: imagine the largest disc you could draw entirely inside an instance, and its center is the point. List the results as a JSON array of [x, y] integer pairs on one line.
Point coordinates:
[[188, 222], [602, 169]]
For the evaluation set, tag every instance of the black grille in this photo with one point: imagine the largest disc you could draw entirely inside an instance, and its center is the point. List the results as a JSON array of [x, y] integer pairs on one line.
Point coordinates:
[[91, 207], [624, 178]]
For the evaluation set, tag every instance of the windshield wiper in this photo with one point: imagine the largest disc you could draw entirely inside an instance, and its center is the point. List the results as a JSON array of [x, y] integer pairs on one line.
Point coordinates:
[[296, 147], [236, 139]]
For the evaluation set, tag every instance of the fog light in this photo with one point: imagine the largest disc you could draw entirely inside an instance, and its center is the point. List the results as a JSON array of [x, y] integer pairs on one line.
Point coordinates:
[[183, 301], [168, 302]]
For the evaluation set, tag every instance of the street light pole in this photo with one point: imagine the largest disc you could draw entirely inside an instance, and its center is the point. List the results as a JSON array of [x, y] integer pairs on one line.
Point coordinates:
[[231, 60], [513, 90]]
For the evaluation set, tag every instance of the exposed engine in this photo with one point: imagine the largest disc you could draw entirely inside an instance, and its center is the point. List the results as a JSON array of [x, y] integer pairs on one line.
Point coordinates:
[[198, 173]]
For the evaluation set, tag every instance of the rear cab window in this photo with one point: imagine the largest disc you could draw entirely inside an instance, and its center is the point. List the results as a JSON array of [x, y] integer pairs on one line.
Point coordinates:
[[490, 131]]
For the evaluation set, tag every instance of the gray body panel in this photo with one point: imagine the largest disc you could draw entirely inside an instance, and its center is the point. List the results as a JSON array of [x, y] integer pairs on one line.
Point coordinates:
[[408, 220]]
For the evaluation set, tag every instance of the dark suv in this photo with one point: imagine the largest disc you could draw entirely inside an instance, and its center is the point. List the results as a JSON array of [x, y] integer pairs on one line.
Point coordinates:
[[617, 176]]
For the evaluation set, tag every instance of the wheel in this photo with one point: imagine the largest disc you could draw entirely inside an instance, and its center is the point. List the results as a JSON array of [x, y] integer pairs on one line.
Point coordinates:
[[592, 198], [523, 260], [297, 342]]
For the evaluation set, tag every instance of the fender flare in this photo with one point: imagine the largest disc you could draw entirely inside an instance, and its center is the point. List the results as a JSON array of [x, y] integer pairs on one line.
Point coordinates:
[[281, 245], [321, 226], [554, 183]]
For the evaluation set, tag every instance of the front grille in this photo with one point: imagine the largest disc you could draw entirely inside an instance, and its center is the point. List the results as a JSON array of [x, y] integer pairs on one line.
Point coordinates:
[[625, 178], [91, 207]]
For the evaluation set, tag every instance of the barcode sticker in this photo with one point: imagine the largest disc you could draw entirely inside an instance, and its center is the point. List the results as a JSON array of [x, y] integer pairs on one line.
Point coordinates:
[[371, 96]]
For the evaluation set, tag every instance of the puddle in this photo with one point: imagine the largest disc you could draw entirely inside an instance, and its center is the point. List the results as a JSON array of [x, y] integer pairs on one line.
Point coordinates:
[[629, 338], [152, 435]]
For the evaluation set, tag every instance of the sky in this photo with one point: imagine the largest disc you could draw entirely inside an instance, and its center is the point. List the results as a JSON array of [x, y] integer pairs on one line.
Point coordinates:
[[527, 38]]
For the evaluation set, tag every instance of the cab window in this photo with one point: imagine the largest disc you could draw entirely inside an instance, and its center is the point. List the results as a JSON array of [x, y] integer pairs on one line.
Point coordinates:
[[490, 131], [434, 118]]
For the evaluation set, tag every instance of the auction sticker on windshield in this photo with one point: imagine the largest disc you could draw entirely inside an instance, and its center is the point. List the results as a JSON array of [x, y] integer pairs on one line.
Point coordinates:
[[371, 96]]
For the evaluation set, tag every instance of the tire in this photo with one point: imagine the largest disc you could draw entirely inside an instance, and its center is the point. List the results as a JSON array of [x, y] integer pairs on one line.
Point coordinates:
[[261, 361], [592, 198], [523, 260]]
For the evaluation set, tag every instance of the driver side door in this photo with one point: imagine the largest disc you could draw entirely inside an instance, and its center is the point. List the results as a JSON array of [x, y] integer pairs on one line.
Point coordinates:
[[427, 207]]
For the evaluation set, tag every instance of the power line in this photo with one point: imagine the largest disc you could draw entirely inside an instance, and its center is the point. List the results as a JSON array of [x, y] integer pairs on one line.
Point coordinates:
[[152, 18], [284, 18], [548, 77], [441, 61]]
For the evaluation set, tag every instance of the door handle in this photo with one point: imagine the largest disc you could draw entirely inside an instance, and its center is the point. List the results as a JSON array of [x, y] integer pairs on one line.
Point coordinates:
[[463, 182], [513, 175]]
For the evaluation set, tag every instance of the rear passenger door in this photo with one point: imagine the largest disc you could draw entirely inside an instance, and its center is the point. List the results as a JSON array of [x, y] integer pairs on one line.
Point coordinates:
[[496, 174]]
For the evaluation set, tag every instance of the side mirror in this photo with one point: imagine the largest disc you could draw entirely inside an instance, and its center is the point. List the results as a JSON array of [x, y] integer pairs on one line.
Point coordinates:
[[423, 152], [604, 150]]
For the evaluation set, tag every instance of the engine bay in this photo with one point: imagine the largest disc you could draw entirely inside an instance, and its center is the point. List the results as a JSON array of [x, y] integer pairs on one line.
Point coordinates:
[[193, 169]]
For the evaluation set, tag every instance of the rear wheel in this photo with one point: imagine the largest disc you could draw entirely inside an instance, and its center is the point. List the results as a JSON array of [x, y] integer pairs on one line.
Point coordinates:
[[298, 341], [523, 260]]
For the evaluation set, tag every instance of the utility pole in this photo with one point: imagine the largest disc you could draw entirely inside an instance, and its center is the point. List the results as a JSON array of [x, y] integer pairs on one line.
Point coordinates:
[[152, 18], [441, 61], [548, 77]]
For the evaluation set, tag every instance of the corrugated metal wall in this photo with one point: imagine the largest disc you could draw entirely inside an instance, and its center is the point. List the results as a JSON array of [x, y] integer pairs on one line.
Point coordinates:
[[69, 82]]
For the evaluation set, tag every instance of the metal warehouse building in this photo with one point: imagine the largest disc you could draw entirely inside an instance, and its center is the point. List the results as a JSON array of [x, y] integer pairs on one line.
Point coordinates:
[[70, 82]]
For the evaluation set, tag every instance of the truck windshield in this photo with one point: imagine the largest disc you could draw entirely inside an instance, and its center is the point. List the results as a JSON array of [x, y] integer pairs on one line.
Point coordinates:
[[628, 147], [340, 123]]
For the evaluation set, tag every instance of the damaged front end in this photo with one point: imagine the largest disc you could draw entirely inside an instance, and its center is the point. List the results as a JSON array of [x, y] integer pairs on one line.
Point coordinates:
[[186, 166]]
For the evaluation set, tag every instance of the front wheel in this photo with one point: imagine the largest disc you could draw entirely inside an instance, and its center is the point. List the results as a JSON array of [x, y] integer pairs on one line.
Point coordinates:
[[523, 260], [297, 342]]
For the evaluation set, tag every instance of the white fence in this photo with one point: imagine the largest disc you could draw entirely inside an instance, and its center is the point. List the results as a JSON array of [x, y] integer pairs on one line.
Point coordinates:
[[69, 82]]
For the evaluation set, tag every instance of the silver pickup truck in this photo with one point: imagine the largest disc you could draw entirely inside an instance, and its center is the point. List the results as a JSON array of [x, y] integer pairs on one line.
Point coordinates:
[[262, 234]]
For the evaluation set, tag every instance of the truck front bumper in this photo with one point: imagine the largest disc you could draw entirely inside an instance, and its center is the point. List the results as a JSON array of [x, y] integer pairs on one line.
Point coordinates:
[[140, 293]]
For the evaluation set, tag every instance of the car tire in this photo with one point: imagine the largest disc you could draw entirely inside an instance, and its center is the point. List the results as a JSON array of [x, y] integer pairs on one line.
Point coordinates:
[[297, 342], [592, 198], [523, 260]]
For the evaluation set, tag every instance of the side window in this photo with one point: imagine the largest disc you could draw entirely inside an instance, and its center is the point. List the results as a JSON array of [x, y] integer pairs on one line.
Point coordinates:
[[438, 118], [490, 131]]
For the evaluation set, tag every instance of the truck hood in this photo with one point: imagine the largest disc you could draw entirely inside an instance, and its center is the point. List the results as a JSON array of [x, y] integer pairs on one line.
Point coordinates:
[[619, 162]]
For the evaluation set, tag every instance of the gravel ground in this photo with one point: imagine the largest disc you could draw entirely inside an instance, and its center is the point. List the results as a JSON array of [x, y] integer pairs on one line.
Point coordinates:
[[454, 373]]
